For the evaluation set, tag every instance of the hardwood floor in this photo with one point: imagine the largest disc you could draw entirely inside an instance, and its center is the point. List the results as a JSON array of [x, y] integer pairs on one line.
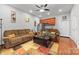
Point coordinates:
[[66, 46]]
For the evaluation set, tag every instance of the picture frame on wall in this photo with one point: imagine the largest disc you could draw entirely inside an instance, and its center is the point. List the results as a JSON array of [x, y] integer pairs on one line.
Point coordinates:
[[13, 16], [27, 19]]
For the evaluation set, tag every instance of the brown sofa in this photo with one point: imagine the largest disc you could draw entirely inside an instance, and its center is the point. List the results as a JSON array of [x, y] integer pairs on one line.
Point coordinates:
[[15, 37]]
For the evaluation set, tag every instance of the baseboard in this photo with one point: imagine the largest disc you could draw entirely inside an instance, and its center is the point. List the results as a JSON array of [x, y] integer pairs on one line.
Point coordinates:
[[65, 36]]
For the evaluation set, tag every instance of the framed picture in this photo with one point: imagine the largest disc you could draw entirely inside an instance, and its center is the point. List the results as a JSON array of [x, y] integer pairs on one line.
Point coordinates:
[[13, 16], [64, 18], [26, 19]]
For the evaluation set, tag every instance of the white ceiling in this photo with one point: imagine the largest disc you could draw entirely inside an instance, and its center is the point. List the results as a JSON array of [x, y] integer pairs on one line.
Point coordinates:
[[66, 8]]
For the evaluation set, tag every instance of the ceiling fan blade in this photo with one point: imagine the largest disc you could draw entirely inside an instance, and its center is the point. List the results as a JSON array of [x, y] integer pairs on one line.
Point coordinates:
[[45, 5], [47, 9], [42, 6], [37, 6]]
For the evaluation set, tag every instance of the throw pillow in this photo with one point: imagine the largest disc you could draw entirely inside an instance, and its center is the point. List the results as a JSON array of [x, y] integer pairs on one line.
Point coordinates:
[[11, 36]]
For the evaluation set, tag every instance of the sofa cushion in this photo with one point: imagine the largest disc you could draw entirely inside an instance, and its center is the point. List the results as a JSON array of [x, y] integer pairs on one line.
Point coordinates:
[[31, 33], [8, 32], [16, 33], [12, 39], [22, 32], [11, 36], [27, 30]]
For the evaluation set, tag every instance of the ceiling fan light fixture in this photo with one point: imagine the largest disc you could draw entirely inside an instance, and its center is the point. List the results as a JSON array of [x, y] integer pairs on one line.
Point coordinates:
[[40, 15], [48, 13], [60, 10], [42, 10]]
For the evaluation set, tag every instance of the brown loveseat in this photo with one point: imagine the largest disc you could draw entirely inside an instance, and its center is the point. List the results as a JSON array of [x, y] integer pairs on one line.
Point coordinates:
[[15, 37]]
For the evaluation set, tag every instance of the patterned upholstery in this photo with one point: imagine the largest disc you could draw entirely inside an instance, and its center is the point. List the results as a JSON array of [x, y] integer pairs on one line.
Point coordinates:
[[21, 35]]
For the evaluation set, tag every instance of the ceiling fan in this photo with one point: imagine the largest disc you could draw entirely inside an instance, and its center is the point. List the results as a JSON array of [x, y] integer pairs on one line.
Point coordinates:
[[42, 8]]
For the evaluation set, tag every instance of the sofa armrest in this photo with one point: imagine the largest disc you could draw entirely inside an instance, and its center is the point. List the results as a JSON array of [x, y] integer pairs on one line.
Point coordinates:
[[7, 42], [6, 39]]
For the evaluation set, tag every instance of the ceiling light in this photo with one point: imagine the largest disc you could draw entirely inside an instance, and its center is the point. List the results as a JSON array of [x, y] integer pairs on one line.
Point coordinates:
[[48, 13], [40, 15], [60, 10], [30, 11], [41, 10]]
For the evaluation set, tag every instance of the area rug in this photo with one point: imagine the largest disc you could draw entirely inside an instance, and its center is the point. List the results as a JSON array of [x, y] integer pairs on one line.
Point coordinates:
[[20, 51], [54, 49], [32, 51], [31, 48], [44, 50]]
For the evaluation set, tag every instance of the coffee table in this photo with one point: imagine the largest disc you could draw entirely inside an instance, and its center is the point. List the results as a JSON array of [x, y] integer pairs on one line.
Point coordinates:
[[42, 41]]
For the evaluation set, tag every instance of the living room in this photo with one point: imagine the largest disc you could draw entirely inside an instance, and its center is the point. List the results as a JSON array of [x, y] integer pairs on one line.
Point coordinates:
[[21, 18]]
